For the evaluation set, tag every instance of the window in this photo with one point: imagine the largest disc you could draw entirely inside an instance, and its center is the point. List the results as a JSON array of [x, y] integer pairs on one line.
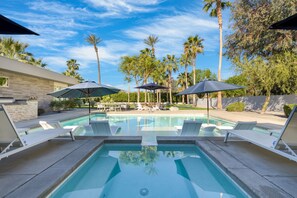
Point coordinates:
[[3, 81]]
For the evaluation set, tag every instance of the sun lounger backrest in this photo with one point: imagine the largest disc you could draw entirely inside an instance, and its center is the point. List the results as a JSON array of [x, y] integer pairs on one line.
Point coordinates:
[[101, 127], [191, 128], [289, 132], [245, 125], [8, 131]]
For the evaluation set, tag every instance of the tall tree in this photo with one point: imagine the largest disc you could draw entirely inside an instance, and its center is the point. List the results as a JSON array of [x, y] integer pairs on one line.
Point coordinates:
[[185, 61], [215, 8], [151, 41], [181, 81], [72, 68], [252, 46], [194, 46], [129, 65], [171, 66], [148, 64], [251, 37], [17, 50], [94, 40]]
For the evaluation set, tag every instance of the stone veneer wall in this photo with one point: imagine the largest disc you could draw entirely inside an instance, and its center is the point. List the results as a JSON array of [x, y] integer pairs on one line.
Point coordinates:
[[24, 110], [25, 87]]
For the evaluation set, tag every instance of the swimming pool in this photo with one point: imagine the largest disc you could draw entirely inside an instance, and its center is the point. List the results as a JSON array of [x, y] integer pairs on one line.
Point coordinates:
[[133, 171], [133, 125]]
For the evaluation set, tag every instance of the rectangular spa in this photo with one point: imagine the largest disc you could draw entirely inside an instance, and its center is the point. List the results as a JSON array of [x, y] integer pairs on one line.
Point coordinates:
[[133, 171]]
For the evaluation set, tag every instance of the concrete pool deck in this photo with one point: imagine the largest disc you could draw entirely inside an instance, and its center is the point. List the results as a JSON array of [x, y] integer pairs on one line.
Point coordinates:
[[36, 171]]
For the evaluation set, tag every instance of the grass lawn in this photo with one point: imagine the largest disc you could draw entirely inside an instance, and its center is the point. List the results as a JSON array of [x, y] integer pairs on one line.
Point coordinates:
[[187, 107]]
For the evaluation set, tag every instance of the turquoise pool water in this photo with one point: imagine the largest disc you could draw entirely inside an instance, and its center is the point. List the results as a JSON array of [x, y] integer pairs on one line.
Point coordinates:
[[132, 125], [132, 171]]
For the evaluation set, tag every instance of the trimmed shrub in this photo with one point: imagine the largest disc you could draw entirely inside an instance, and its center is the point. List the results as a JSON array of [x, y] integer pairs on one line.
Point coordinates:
[[237, 106], [288, 108], [56, 105]]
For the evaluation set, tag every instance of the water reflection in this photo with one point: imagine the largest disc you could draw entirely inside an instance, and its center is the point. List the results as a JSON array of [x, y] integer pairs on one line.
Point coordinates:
[[147, 156]]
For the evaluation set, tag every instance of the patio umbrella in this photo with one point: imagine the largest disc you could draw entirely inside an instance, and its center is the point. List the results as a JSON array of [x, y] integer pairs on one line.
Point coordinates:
[[209, 86], [151, 87], [8, 26], [289, 23], [86, 89]]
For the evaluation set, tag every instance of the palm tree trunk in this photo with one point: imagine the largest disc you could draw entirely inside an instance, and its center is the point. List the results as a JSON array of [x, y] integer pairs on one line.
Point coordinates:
[[128, 93], [98, 63], [194, 79], [170, 88], [186, 72], [220, 21]]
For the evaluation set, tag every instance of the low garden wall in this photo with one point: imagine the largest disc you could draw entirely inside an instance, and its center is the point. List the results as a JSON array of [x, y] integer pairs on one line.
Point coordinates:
[[22, 110], [254, 102]]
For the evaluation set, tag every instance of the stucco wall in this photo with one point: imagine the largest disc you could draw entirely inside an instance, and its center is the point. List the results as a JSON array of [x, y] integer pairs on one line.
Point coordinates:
[[255, 102], [23, 110], [24, 87]]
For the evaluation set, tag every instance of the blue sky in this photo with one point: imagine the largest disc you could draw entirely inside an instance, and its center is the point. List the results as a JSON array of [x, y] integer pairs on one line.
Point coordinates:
[[121, 24]]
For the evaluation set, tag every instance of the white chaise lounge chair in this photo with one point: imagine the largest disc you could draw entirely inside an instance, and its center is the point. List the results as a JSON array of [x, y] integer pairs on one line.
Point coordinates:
[[55, 125], [102, 128], [190, 128], [12, 142], [239, 126], [282, 145]]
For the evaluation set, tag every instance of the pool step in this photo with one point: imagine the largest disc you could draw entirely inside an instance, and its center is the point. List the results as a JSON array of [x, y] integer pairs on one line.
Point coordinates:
[[149, 140]]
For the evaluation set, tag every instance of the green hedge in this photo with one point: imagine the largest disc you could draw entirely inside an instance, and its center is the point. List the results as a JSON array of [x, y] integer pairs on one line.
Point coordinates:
[[237, 106], [288, 108]]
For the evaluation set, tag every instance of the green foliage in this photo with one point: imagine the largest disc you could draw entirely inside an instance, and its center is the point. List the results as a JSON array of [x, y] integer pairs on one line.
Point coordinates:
[[236, 80], [72, 68], [17, 50], [237, 106], [251, 36], [68, 104], [56, 105], [288, 108]]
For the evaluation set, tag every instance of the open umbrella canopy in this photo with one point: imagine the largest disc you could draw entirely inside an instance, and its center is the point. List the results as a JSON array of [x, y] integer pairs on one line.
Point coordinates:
[[151, 86], [289, 23], [8, 26], [85, 90], [209, 86]]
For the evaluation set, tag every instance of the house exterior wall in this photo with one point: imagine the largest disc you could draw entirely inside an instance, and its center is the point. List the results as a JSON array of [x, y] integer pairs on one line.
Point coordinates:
[[22, 110], [22, 86]]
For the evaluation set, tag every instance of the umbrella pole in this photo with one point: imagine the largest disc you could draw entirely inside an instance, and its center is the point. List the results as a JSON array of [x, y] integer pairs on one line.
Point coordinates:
[[89, 110], [207, 108]]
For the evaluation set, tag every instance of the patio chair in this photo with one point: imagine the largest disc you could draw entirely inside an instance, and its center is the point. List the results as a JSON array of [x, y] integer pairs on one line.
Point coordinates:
[[282, 145], [139, 107], [102, 128], [190, 128], [12, 142], [55, 125], [239, 126]]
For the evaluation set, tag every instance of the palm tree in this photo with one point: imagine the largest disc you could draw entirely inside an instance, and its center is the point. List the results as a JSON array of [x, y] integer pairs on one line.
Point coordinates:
[[94, 40], [185, 61], [170, 63], [13, 49], [151, 41], [216, 7], [192, 47], [181, 80], [72, 68]]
